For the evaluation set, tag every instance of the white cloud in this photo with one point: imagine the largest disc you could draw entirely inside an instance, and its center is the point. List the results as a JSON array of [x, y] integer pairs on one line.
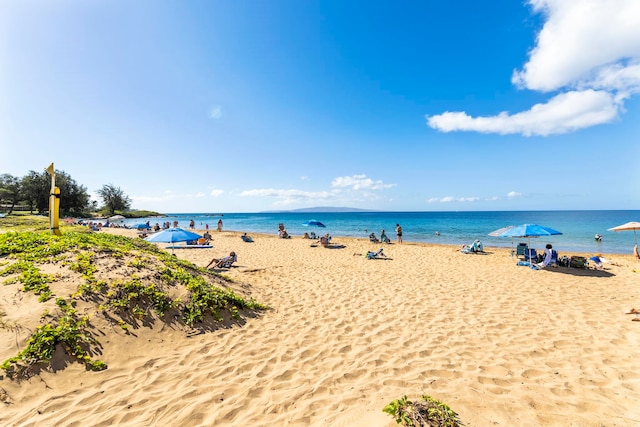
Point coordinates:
[[581, 37], [216, 193], [349, 189], [215, 113], [588, 51], [564, 113], [359, 182], [513, 195]]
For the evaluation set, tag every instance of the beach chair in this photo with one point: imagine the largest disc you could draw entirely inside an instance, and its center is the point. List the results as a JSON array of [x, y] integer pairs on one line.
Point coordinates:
[[521, 249], [226, 262], [597, 262], [531, 255]]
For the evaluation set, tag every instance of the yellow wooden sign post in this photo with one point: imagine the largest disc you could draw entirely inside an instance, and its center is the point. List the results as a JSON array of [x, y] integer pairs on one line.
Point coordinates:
[[54, 203]]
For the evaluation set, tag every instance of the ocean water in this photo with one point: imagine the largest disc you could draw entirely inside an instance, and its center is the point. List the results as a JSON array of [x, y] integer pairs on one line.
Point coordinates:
[[456, 228]]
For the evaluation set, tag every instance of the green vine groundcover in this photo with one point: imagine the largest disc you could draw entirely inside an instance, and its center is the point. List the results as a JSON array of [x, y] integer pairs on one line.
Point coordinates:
[[424, 412], [81, 280]]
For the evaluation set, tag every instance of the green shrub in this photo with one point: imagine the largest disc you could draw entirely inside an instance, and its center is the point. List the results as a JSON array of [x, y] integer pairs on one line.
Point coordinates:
[[426, 412]]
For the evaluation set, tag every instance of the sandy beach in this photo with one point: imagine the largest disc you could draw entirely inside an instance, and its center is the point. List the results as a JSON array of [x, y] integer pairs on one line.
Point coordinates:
[[503, 345]]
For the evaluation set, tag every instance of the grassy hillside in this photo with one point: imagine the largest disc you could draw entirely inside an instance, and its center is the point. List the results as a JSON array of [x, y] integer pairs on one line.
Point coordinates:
[[60, 295]]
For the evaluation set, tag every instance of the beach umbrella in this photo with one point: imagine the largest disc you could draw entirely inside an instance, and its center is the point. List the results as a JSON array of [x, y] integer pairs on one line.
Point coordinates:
[[627, 227], [141, 226], [499, 231], [172, 235], [314, 223], [529, 231]]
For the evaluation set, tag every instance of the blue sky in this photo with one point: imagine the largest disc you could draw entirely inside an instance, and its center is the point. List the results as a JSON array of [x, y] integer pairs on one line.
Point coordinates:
[[250, 105]]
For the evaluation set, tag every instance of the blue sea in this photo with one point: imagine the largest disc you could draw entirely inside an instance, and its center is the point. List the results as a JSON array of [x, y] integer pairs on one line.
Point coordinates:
[[455, 228]]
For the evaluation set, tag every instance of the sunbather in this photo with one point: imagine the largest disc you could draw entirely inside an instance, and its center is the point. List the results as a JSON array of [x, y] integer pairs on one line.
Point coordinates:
[[325, 240], [224, 262], [475, 247], [374, 255]]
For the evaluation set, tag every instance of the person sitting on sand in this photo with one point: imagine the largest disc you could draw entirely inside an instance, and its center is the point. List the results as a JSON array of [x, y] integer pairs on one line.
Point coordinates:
[[224, 261], [325, 240], [475, 247], [548, 256], [373, 238], [384, 238], [246, 238], [282, 232]]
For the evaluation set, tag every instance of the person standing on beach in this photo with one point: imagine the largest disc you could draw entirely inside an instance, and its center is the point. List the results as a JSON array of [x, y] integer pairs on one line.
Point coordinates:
[[399, 233], [220, 224]]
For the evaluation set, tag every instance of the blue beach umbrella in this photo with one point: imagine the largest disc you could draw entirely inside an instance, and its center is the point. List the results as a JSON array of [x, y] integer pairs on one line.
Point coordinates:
[[529, 231], [314, 223], [172, 235]]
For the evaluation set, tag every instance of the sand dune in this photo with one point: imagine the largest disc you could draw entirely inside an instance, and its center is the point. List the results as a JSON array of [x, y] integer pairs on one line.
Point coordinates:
[[503, 345]]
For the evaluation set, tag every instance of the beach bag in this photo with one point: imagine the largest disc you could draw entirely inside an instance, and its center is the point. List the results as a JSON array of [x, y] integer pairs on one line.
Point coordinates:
[[578, 262]]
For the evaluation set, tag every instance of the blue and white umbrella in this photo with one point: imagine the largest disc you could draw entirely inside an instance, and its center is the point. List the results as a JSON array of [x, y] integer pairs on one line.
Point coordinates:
[[172, 235], [529, 231]]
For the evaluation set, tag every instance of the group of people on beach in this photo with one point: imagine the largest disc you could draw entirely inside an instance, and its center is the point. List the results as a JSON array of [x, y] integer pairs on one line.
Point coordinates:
[[383, 236]]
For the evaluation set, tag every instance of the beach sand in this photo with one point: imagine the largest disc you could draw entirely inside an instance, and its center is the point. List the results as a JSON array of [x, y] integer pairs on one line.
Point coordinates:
[[503, 345]]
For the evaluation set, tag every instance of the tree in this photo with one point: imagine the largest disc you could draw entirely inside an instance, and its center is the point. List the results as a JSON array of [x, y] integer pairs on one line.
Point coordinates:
[[74, 197], [114, 198], [10, 190], [35, 190]]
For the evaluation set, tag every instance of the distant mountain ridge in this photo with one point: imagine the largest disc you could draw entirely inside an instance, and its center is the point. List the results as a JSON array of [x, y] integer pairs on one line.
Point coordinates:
[[323, 209]]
